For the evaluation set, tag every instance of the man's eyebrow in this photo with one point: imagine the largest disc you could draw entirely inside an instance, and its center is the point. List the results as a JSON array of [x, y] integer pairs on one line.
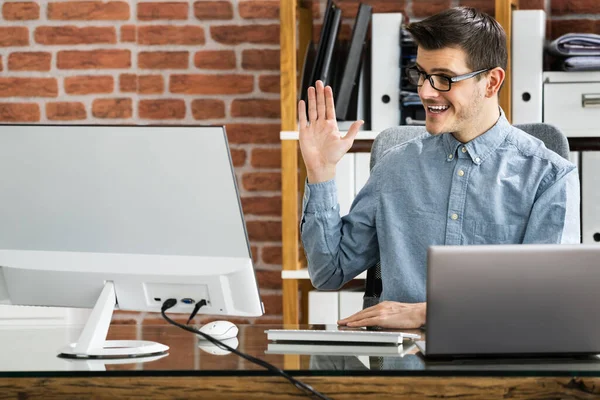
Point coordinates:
[[437, 70]]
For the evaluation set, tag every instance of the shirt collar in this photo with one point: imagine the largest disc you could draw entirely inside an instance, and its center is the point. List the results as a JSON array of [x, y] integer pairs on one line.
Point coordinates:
[[480, 148]]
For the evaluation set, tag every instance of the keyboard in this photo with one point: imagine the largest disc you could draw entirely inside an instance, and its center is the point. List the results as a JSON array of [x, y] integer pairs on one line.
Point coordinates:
[[344, 335]]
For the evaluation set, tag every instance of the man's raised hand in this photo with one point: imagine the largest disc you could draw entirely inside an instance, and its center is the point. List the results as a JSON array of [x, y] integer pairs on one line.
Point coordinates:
[[321, 144]]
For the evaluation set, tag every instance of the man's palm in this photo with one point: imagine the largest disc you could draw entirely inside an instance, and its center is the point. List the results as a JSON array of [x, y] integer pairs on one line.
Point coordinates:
[[320, 141]]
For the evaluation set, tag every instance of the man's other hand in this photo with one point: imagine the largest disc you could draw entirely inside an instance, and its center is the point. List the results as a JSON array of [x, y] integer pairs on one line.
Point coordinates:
[[389, 314]]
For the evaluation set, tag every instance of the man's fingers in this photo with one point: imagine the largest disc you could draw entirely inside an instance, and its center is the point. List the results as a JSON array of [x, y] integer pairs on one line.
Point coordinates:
[[320, 100], [302, 115], [329, 105], [366, 313], [312, 104], [370, 321], [353, 131]]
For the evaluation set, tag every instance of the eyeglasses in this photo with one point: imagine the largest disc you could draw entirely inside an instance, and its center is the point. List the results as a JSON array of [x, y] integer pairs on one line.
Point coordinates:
[[441, 83]]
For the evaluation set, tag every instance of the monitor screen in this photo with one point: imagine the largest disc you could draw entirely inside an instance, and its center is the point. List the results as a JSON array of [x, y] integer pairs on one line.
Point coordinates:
[[152, 209]]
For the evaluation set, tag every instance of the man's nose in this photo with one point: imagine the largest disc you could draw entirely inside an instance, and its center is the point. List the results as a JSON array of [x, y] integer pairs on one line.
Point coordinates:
[[427, 91]]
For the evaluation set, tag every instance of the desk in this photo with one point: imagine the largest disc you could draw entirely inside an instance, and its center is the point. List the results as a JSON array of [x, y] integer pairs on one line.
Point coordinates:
[[30, 370]]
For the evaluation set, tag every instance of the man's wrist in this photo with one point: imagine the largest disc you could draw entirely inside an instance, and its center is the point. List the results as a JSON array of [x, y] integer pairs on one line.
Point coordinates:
[[320, 176]]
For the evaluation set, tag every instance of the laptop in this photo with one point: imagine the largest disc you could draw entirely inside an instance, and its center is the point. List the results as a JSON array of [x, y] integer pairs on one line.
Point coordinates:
[[512, 300]]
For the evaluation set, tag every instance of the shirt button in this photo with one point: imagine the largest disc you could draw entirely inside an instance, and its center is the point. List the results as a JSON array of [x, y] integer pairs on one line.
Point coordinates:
[[464, 149], [454, 217], [450, 156], [461, 172], [477, 160]]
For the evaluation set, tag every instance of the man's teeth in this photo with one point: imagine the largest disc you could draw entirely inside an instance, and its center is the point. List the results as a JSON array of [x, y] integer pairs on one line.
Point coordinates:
[[438, 108]]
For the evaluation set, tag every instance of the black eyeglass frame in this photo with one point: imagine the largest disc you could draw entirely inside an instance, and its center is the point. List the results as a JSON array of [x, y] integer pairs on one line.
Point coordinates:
[[450, 80]]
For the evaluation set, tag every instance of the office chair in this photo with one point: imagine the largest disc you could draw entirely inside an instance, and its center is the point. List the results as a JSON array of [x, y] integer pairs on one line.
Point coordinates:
[[553, 138]]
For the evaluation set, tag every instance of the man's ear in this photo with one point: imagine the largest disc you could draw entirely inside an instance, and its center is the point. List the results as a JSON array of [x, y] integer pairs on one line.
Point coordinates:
[[495, 78]]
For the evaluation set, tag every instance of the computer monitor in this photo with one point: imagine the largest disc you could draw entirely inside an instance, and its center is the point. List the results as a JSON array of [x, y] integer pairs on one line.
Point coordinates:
[[122, 217]]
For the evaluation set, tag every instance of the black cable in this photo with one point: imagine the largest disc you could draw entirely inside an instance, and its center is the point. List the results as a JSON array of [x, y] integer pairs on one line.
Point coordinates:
[[169, 303], [196, 308]]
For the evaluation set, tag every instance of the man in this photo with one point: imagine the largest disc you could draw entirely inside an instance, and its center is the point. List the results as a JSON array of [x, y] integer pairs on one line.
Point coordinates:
[[474, 179]]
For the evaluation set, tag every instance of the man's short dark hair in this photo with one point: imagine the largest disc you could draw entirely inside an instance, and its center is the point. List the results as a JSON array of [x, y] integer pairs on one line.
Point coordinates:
[[478, 34]]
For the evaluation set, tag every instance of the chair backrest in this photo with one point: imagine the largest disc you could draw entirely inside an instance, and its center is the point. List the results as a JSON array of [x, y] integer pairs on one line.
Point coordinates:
[[552, 137]]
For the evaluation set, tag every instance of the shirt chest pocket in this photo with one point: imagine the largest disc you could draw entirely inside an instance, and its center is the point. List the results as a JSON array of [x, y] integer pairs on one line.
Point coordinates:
[[489, 233]]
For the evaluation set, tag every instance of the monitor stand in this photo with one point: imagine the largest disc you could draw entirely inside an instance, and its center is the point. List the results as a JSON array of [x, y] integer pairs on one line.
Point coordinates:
[[92, 342]]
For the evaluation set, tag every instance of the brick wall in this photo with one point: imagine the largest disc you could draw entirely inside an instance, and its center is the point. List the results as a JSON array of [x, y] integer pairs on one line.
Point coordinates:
[[149, 62], [187, 62]]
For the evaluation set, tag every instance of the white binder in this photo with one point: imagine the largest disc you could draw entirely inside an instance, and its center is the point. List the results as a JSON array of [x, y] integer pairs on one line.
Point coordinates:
[[385, 70], [528, 33], [590, 196]]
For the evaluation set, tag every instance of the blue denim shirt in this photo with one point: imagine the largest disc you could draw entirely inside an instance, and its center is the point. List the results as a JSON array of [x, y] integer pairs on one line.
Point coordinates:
[[502, 187]]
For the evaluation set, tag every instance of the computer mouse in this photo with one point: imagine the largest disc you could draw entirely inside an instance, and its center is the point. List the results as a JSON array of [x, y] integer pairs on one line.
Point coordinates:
[[220, 330], [211, 348]]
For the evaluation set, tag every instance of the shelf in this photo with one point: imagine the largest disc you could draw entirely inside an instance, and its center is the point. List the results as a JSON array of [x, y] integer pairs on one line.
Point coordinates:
[[303, 274]]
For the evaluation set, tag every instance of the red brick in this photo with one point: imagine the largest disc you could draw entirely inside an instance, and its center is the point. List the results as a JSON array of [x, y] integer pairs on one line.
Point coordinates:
[[1, 65], [215, 59], [208, 109], [423, 9], [256, 108], [260, 59], [236, 34], [532, 5], [53, 35], [167, 34], [264, 231], [259, 9], [213, 10], [30, 61], [273, 304], [94, 59], [211, 84], [88, 10], [128, 83], [112, 108], [238, 157], [162, 109], [19, 112], [253, 133], [254, 251], [28, 87], [259, 181], [269, 279], [20, 11], [266, 158], [350, 7], [128, 33], [270, 206], [167, 10], [89, 84], [561, 27], [65, 111], [269, 83], [14, 36], [487, 6], [272, 255], [563, 7], [163, 60], [151, 84]]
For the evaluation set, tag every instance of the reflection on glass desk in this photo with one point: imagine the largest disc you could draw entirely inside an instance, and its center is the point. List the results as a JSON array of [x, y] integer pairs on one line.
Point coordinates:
[[30, 368], [29, 349]]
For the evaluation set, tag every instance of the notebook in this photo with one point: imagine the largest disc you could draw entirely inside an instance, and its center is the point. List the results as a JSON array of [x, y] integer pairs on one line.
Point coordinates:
[[339, 335]]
